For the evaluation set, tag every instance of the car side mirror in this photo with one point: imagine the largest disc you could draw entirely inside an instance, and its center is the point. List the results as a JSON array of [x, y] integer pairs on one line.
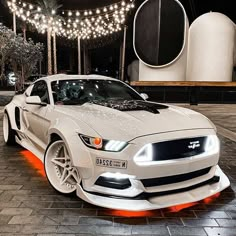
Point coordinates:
[[35, 100], [144, 96]]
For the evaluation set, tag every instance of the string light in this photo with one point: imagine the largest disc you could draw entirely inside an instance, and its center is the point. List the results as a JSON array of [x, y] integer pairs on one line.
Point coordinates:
[[86, 24]]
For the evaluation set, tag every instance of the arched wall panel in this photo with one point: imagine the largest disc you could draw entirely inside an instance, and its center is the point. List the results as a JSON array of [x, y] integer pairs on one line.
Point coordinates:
[[211, 48], [159, 32], [160, 40]]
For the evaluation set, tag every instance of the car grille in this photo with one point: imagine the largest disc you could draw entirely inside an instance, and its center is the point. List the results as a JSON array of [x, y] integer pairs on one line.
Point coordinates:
[[174, 178], [176, 149]]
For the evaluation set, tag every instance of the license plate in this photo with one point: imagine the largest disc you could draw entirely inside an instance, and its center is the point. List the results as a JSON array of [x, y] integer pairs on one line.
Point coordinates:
[[118, 164]]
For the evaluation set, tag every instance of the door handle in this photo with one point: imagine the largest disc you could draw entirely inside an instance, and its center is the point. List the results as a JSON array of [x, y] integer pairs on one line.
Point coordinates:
[[24, 109]]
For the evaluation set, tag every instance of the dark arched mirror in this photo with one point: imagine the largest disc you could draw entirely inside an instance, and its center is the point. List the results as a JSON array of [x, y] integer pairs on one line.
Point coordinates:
[[159, 32]]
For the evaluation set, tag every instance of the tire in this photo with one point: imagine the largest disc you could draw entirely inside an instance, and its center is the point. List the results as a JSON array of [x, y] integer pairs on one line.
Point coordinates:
[[8, 133], [60, 172]]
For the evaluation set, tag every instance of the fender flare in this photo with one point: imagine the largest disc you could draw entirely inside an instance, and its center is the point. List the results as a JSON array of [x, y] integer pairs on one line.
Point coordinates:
[[10, 109], [77, 150]]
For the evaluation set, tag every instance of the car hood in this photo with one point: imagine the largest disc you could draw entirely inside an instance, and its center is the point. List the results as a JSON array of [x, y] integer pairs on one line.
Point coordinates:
[[113, 124]]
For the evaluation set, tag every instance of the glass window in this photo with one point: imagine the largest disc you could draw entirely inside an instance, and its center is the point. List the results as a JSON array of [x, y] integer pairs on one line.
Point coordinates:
[[40, 89], [72, 92]]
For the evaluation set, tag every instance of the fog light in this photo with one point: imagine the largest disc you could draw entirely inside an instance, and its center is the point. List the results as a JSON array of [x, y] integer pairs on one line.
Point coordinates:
[[114, 180], [117, 175]]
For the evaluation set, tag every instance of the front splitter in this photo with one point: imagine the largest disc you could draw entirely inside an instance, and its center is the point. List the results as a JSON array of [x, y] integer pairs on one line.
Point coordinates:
[[153, 203]]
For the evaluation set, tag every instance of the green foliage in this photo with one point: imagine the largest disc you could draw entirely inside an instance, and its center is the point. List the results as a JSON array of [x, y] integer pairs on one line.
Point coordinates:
[[25, 57], [22, 55], [7, 42]]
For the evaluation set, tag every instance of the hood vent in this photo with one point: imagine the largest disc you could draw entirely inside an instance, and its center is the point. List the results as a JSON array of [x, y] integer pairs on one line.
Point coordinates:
[[132, 105]]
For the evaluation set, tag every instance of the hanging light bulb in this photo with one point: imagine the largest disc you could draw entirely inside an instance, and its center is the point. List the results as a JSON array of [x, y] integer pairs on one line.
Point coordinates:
[[103, 24]]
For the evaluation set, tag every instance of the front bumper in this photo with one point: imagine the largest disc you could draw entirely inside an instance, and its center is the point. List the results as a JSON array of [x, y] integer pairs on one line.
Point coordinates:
[[157, 202], [182, 180]]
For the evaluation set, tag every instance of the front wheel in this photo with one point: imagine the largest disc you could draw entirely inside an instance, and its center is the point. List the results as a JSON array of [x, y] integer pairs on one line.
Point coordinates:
[[8, 132], [61, 173]]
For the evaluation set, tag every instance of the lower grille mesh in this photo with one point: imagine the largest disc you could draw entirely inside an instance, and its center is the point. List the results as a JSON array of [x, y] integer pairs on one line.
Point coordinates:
[[174, 178]]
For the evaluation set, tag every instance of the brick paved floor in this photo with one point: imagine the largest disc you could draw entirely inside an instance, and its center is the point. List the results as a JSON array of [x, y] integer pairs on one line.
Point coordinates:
[[29, 206]]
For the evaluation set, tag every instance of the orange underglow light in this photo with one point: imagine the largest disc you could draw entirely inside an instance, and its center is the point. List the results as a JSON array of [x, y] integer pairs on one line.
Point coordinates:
[[181, 207], [34, 162], [132, 214], [155, 213], [211, 198], [207, 200]]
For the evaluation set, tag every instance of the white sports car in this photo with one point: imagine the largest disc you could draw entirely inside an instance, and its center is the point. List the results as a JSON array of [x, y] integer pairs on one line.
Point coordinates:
[[99, 137]]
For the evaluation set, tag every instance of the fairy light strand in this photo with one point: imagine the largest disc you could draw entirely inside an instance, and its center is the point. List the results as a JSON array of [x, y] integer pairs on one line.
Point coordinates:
[[86, 24]]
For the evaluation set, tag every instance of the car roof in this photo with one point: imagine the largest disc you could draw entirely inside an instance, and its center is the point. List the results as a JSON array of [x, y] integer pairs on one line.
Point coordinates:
[[52, 78]]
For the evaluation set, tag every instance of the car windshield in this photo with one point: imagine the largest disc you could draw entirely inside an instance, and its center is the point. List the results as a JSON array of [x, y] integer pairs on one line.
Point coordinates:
[[78, 92]]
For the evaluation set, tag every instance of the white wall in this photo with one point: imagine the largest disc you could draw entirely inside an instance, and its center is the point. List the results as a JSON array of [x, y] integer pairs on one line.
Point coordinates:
[[211, 48]]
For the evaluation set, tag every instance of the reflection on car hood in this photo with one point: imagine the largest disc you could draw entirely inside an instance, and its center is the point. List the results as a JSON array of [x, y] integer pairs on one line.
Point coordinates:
[[132, 105], [113, 124]]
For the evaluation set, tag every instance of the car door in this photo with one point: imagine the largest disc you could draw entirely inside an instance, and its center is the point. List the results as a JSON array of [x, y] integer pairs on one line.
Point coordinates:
[[35, 116]]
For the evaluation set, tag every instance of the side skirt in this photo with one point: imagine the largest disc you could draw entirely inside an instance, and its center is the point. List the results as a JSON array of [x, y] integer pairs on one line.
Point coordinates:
[[29, 146]]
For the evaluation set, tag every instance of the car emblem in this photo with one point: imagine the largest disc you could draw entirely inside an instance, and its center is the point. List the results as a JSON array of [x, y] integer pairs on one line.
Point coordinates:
[[193, 145]]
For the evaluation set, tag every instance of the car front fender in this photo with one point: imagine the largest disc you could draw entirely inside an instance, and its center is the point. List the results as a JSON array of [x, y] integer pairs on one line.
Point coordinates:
[[68, 130]]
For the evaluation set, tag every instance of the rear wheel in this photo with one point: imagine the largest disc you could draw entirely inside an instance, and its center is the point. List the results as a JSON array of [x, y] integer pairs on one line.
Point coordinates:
[[61, 173], [8, 132]]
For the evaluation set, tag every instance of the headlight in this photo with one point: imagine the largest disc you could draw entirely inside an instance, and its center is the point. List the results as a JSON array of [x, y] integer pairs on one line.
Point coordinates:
[[103, 144], [212, 144], [145, 154]]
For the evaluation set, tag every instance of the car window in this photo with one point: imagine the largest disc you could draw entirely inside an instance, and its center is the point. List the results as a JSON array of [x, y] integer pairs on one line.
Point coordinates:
[[77, 92], [40, 89]]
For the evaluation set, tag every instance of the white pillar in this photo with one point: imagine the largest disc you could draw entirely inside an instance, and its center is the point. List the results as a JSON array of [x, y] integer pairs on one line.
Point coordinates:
[[55, 52], [85, 60], [123, 55], [79, 56], [14, 22], [49, 48]]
